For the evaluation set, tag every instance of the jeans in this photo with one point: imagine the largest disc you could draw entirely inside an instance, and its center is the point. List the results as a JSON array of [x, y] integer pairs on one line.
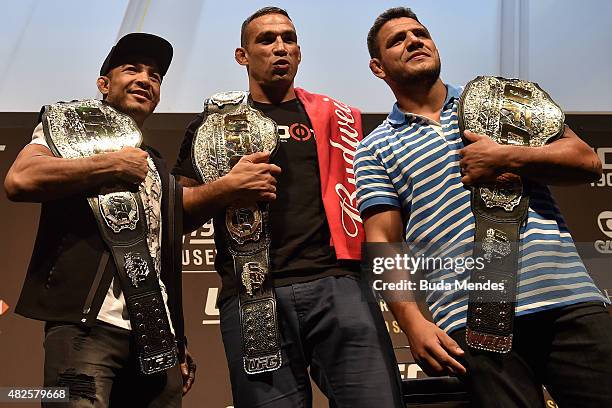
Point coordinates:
[[330, 326], [100, 369], [568, 349]]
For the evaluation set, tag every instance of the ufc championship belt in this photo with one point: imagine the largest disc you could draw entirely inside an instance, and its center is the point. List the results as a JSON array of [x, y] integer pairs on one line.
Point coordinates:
[[511, 112], [232, 129], [83, 129]]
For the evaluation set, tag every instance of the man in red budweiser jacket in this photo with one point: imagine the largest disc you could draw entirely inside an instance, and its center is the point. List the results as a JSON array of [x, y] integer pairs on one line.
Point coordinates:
[[327, 322]]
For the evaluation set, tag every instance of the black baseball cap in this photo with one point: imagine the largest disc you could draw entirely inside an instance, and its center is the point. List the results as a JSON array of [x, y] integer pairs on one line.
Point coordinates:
[[141, 44]]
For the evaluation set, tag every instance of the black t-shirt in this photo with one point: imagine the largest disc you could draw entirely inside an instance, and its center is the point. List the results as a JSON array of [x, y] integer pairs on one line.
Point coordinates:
[[300, 248]]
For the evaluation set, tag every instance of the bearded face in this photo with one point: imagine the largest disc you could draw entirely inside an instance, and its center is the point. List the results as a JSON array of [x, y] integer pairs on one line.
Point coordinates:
[[408, 54]]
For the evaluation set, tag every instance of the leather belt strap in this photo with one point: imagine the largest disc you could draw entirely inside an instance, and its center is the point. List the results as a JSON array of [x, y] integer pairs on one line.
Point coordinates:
[[231, 129], [84, 128], [258, 317], [259, 331], [140, 285], [490, 313]]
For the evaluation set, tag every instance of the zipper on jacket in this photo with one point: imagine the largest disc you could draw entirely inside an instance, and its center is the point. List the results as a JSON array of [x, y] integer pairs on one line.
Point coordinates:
[[171, 210], [96, 283]]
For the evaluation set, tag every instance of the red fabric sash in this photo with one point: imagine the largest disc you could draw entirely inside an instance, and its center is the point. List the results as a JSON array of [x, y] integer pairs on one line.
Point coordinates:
[[337, 129]]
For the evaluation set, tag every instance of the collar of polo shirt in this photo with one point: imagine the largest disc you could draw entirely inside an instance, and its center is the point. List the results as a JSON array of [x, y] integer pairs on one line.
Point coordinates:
[[397, 117]]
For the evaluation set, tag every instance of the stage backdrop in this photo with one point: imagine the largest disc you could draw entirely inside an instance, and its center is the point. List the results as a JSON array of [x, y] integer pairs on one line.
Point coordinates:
[[587, 208]]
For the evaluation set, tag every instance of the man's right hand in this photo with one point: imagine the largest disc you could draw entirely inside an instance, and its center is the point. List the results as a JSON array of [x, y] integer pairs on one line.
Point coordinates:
[[433, 349], [253, 179], [130, 165]]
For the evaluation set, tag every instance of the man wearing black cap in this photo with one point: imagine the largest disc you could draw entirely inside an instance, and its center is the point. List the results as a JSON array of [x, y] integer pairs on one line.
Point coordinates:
[[93, 346]]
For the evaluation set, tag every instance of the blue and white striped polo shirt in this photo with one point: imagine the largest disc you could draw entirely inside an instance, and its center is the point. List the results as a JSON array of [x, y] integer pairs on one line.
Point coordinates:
[[412, 163]]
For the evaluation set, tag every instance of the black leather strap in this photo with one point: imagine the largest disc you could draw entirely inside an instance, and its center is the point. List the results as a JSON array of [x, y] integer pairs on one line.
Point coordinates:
[[490, 313], [258, 317], [155, 342], [261, 346]]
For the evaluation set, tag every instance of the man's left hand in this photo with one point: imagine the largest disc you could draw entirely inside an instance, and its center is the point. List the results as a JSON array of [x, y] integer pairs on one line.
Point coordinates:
[[482, 160], [188, 370]]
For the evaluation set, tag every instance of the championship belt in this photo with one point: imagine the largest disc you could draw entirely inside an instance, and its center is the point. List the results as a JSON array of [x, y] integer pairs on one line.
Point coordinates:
[[512, 112], [85, 128], [232, 129]]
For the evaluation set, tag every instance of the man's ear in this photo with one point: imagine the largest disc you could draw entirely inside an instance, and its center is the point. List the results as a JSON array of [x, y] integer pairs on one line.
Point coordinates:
[[241, 56], [299, 54], [103, 84], [377, 69]]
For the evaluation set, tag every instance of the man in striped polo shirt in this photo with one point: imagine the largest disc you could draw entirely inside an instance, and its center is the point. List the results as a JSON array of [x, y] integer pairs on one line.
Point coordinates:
[[413, 173]]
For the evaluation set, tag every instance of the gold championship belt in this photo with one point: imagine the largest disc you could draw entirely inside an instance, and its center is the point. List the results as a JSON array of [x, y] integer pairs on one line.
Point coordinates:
[[85, 128], [232, 129], [511, 112]]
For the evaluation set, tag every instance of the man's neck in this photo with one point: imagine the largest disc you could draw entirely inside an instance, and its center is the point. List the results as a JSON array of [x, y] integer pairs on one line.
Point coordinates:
[[139, 119], [425, 101], [139, 122], [271, 94]]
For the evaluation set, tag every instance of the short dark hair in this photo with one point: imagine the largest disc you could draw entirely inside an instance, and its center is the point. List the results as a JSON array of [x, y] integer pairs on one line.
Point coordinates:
[[261, 12], [381, 20]]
